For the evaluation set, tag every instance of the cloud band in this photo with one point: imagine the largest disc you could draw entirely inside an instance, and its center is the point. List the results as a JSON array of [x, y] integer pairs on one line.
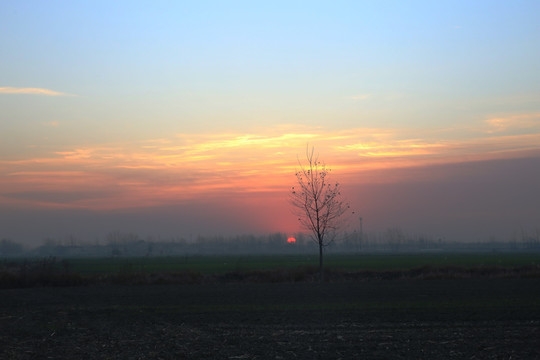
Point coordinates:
[[31, 91]]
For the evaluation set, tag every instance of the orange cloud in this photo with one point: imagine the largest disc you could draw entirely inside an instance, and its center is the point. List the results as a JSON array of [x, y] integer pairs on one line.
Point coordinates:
[[32, 91], [512, 122], [196, 166]]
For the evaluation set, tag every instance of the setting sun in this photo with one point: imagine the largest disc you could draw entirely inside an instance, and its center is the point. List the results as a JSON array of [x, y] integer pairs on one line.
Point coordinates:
[[291, 240]]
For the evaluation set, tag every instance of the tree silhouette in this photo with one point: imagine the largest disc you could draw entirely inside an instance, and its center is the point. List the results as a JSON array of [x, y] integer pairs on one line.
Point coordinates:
[[317, 203]]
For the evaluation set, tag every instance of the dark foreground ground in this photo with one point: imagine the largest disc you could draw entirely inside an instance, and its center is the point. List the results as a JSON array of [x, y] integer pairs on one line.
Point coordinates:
[[388, 319]]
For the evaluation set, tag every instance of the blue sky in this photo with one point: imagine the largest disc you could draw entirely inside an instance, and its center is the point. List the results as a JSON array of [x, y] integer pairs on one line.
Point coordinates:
[[186, 90]]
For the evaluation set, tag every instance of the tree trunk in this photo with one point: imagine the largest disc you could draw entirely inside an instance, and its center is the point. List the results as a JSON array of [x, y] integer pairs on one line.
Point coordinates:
[[321, 269]]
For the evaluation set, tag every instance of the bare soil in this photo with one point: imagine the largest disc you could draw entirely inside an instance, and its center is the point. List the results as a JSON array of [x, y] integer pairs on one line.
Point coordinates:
[[485, 318]]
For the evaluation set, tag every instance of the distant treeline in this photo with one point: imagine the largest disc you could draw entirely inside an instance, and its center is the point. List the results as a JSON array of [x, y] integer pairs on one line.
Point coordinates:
[[120, 244]]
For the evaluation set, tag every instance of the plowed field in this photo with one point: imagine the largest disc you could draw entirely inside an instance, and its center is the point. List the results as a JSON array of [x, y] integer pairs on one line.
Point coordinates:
[[388, 319]]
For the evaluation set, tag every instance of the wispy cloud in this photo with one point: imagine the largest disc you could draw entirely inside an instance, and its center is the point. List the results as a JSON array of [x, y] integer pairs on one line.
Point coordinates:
[[32, 91], [513, 122], [51, 124], [360, 97]]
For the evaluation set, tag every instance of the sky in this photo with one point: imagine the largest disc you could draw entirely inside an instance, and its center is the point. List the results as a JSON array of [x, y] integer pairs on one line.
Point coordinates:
[[187, 118]]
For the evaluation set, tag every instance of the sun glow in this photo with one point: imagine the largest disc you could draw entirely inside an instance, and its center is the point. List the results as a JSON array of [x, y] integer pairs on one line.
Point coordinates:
[[291, 240]]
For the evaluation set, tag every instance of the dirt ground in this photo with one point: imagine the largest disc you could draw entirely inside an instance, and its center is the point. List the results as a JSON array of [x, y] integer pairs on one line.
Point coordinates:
[[410, 319]]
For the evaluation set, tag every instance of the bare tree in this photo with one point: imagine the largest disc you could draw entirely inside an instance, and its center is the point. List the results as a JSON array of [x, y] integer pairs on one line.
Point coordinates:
[[318, 203]]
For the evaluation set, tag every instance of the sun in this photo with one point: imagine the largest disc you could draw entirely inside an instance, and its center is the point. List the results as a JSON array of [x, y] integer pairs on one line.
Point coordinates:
[[291, 240]]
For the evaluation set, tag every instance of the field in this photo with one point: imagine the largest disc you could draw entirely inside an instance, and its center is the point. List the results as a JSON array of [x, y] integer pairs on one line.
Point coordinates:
[[473, 315], [356, 262], [225, 264]]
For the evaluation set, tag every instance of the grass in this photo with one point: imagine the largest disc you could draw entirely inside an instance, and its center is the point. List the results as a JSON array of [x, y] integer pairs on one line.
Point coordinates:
[[259, 268], [353, 262], [410, 261]]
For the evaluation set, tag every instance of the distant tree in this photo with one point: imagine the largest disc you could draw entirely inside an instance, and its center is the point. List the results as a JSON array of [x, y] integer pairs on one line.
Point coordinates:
[[10, 248], [318, 203]]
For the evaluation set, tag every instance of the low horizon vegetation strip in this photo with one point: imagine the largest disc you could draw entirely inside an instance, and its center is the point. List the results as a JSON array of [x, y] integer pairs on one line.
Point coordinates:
[[216, 264], [269, 269]]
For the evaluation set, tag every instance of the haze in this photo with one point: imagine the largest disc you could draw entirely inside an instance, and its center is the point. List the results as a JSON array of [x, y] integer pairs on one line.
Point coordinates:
[[187, 118]]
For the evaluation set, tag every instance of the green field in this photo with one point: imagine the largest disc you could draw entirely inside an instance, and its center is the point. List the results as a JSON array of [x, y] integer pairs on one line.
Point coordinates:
[[225, 264]]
